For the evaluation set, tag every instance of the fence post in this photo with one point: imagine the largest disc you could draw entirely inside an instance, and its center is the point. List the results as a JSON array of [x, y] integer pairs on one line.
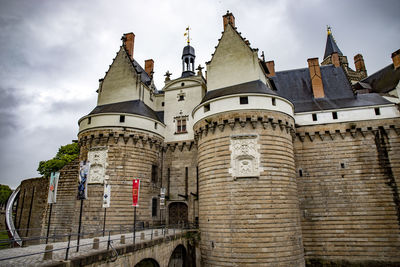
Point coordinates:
[[151, 237], [48, 252], [69, 242]]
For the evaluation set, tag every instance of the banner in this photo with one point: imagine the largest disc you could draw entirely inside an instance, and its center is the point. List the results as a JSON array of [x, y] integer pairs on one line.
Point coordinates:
[[106, 195], [162, 198], [135, 192], [51, 198], [83, 179]]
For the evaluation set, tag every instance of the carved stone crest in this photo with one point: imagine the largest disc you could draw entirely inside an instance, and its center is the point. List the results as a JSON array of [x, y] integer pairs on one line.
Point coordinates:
[[97, 157], [245, 156]]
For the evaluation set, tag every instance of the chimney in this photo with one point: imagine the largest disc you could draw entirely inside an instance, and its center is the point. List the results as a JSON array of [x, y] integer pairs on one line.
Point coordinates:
[[335, 59], [149, 67], [228, 18], [396, 59], [359, 63], [271, 68], [128, 41], [316, 79]]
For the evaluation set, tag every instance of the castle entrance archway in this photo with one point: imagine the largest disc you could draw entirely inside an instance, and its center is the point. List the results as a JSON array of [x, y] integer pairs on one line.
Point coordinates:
[[177, 213], [147, 263]]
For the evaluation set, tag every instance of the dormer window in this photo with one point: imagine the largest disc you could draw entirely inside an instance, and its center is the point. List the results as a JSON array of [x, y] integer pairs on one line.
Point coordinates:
[[181, 96]]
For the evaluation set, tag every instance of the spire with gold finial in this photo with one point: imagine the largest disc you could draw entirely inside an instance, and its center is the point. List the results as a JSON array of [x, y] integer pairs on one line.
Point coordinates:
[[187, 35], [331, 46], [328, 29]]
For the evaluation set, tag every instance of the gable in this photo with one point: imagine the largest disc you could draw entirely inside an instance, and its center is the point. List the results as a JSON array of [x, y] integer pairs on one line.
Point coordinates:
[[233, 62], [121, 81]]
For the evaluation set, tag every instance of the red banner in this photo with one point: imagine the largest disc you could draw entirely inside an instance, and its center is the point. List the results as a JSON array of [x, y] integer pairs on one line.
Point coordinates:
[[135, 192]]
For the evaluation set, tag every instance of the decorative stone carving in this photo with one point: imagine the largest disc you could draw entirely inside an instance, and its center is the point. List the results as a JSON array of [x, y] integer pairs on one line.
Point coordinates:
[[245, 156], [97, 157]]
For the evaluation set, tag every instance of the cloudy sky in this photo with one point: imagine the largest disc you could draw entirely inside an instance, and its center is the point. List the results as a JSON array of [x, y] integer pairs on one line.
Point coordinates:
[[52, 54]]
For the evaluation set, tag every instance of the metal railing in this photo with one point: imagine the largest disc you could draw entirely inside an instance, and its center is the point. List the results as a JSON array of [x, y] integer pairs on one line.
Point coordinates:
[[148, 233]]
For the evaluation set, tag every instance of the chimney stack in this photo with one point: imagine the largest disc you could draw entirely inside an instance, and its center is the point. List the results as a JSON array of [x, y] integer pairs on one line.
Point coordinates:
[[228, 18], [396, 59], [359, 63], [128, 41], [149, 67], [316, 78], [335, 59], [271, 68]]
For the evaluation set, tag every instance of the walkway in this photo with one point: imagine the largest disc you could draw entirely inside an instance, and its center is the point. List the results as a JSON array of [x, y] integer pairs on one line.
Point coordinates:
[[86, 247]]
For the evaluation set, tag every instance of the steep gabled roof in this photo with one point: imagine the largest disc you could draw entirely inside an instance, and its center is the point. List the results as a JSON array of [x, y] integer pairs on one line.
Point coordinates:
[[295, 85], [331, 46]]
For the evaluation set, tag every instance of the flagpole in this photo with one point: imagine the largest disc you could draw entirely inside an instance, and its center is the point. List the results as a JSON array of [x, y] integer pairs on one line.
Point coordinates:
[[134, 226], [48, 223], [104, 223], [79, 227]]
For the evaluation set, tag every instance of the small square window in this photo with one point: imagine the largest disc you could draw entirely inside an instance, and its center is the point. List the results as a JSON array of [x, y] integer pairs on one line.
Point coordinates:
[[162, 104], [181, 97], [377, 111], [89, 120], [314, 117], [334, 115], [206, 107], [273, 101], [155, 125], [244, 100], [342, 165], [122, 118]]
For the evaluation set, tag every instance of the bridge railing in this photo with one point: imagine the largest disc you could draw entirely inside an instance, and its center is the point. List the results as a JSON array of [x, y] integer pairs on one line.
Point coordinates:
[[107, 236]]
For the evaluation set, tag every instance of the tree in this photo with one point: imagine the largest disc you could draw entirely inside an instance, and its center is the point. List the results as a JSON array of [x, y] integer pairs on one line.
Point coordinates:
[[5, 192], [65, 155]]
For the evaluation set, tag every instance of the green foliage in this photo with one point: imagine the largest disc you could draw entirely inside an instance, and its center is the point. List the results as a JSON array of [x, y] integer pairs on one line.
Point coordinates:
[[5, 192], [65, 155]]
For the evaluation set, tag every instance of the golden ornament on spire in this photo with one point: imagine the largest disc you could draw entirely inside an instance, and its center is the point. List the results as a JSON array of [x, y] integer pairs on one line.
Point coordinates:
[[187, 34], [328, 28]]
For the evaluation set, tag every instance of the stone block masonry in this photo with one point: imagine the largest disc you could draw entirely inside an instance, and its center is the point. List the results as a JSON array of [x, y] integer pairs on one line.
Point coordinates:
[[348, 178]]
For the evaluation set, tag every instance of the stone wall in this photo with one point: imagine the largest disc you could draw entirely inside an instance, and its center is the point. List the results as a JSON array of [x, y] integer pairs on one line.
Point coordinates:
[[348, 177], [32, 202], [248, 221], [130, 154]]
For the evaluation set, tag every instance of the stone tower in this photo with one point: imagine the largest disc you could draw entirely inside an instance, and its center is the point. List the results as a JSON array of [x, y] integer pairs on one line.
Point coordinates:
[[122, 139], [248, 205]]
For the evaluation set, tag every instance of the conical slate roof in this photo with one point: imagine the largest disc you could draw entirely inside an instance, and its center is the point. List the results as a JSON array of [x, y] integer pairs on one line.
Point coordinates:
[[331, 46]]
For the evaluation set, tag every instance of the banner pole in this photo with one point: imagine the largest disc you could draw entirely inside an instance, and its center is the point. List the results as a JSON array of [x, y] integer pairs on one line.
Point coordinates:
[[79, 226], [48, 223], [134, 226], [104, 223]]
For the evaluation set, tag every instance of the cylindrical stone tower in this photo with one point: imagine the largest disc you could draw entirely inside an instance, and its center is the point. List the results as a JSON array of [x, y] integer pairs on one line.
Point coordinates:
[[248, 202]]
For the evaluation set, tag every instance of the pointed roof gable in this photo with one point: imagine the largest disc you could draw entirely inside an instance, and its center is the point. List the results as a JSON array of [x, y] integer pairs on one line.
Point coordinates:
[[331, 46]]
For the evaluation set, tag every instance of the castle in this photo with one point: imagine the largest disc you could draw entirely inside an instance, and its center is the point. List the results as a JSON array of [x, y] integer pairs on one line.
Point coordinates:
[[276, 167]]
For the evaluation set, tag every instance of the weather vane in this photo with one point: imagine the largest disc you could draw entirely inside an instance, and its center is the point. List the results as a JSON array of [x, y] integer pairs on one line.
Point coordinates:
[[187, 34]]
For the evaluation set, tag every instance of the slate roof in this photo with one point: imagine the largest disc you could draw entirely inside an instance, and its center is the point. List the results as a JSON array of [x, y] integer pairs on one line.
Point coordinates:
[[295, 85], [331, 46], [382, 81], [243, 88], [145, 78], [131, 107]]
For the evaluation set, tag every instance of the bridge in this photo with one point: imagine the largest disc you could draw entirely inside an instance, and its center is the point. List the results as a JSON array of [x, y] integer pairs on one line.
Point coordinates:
[[156, 247]]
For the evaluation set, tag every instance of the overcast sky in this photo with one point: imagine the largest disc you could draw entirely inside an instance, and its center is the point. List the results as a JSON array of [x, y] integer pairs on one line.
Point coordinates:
[[52, 54]]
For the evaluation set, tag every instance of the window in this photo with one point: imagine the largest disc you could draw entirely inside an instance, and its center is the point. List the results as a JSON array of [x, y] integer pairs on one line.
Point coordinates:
[[244, 100], [155, 125], [182, 84], [342, 165], [300, 172], [377, 111], [89, 120], [206, 107], [181, 98], [273, 101], [154, 207], [314, 117], [334, 115], [181, 125], [154, 170], [162, 104], [122, 118]]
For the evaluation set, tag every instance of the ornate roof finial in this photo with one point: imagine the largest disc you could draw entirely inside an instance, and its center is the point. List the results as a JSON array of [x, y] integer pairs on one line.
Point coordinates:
[[187, 34], [329, 29], [167, 75]]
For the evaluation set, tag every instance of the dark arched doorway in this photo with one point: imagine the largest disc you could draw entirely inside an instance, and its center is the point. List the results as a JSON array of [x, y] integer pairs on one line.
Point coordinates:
[[177, 213], [147, 263], [178, 257]]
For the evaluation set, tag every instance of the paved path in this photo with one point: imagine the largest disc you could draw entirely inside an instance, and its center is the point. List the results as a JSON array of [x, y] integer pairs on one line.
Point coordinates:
[[86, 246]]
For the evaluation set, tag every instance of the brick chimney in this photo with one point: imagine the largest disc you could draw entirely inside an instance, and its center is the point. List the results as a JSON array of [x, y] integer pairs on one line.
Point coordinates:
[[335, 59], [149, 67], [128, 41], [359, 63], [316, 78], [228, 18], [271, 68], [396, 59]]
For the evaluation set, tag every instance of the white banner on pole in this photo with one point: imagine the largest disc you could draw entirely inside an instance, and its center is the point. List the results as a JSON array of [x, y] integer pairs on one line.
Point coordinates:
[[52, 196], [106, 195]]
